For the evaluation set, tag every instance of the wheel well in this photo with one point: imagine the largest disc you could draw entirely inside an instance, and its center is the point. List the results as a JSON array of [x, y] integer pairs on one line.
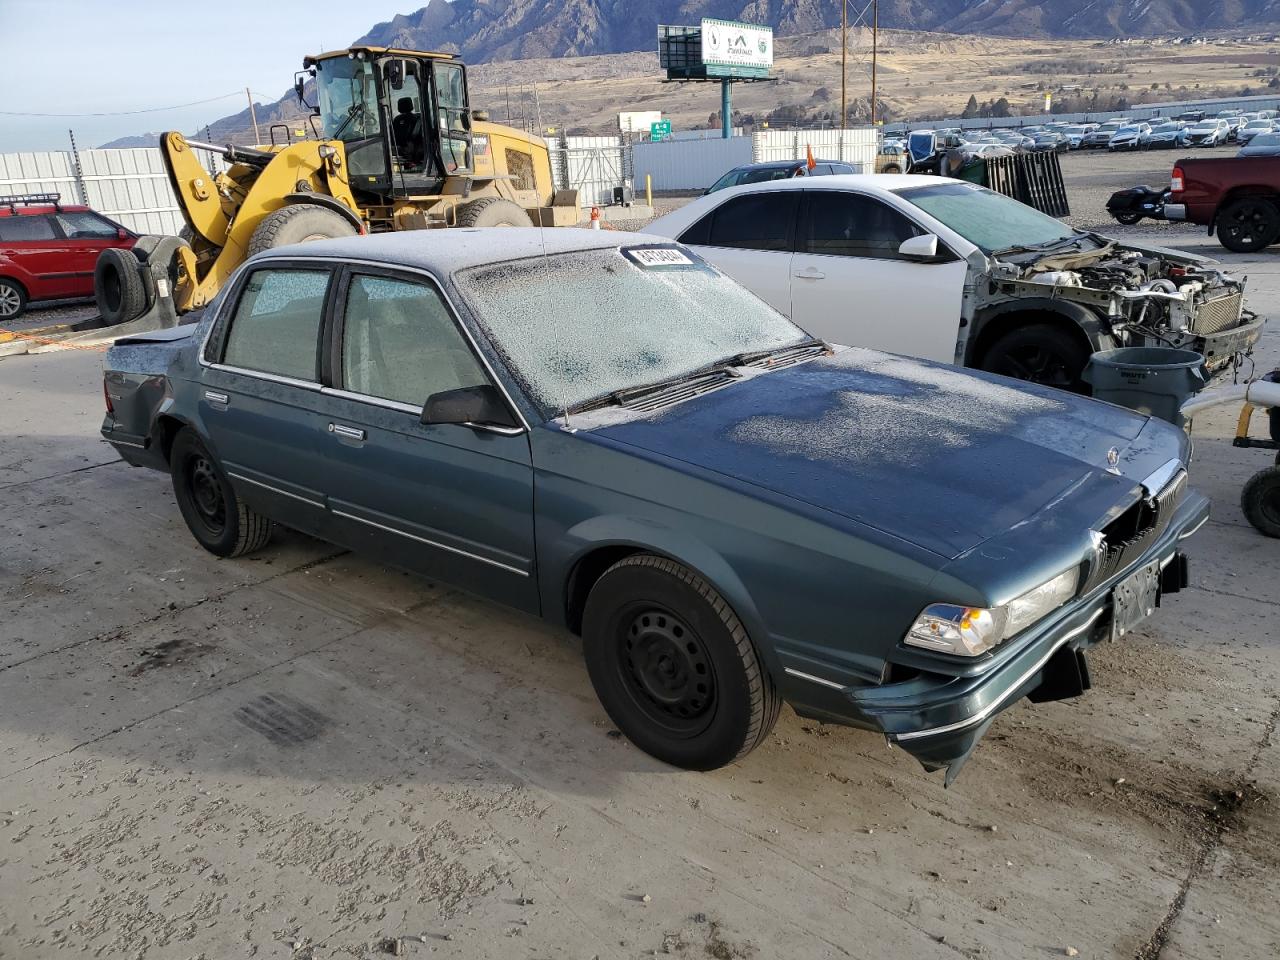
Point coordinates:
[[1001, 324], [17, 283], [165, 430], [586, 572]]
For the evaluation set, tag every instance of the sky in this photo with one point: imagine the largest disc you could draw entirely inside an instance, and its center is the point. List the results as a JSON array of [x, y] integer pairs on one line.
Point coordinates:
[[107, 56]]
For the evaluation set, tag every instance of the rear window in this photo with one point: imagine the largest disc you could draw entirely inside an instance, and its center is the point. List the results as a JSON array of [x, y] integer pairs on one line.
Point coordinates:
[[276, 327], [17, 229]]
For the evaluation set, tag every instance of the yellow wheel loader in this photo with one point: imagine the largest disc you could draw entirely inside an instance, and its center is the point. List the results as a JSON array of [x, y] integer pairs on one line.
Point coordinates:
[[398, 148]]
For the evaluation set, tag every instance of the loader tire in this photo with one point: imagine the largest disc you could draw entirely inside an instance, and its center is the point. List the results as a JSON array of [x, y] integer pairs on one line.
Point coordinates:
[[118, 286], [493, 212], [298, 223]]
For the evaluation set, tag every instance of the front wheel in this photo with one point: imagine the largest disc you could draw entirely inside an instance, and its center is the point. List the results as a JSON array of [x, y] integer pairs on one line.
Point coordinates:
[[1039, 353], [1248, 225], [217, 519], [673, 665], [298, 223], [1127, 217]]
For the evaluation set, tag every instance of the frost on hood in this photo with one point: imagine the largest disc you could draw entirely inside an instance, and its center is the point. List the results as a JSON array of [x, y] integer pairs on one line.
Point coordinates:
[[576, 326], [902, 411]]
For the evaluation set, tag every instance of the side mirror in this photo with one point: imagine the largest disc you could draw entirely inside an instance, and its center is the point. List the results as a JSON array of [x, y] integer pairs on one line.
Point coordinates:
[[924, 247], [481, 405], [481, 115]]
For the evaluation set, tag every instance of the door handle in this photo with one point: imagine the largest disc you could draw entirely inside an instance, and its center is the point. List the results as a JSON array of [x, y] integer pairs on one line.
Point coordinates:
[[809, 273], [350, 433], [221, 399]]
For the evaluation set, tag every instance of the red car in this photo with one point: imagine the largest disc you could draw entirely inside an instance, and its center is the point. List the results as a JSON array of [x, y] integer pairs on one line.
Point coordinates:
[[48, 250]]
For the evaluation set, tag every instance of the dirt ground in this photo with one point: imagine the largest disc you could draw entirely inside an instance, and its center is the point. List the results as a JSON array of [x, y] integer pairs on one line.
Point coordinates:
[[305, 754]]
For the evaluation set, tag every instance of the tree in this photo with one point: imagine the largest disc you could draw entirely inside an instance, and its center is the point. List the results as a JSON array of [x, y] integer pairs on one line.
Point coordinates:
[[971, 108]]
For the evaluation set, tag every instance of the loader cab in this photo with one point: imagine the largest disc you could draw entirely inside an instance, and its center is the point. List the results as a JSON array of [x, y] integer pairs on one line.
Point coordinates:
[[403, 117]]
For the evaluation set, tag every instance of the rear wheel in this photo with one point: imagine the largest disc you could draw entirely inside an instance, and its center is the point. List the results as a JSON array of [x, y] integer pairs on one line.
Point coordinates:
[[298, 223], [493, 212], [118, 287], [1260, 501], [1039, 353], [673, 665], [217, 519], [1248, 224], [13, 300], [1127, 217]]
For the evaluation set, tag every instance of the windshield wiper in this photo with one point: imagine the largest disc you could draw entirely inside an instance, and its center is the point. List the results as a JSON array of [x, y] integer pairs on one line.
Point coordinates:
[[619, 398], [1041, 247], [356, 110], [755, 356]]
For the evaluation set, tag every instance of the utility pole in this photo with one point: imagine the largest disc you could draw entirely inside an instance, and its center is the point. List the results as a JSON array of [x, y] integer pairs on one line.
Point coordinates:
[[253, 115], [875, 50], [844, 59]]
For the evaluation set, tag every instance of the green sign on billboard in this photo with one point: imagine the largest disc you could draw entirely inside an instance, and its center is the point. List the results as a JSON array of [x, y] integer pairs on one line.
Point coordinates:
[[660, 130]]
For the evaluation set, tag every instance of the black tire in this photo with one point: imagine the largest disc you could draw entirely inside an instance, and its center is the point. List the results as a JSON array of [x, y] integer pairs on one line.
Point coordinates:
[[493, 212], [118, 286], [1260, 501], [1128, 218], [1040, 353], [673, 665], [216, 518], [13, 299], [298, 223], [1248, 224], [892, 168]]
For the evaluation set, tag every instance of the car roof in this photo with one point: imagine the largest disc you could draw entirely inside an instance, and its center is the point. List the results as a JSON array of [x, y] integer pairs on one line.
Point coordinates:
[[443, 252], [780, 164]]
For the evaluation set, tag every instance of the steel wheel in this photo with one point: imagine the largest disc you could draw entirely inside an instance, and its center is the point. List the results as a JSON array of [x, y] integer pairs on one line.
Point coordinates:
[[206, 494], [665, 668]]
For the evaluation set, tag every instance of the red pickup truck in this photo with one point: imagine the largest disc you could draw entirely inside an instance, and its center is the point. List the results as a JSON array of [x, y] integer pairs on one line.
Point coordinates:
[[1238, 197]]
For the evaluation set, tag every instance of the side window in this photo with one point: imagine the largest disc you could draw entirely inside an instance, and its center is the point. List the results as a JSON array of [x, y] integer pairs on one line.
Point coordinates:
[[85, 226], [758, 221], [853, 225], [16, 229], [276, 326], [400, 343]]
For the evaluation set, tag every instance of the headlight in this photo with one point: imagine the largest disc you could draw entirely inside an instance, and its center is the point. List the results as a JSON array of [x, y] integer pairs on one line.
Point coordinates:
[[972, 631]]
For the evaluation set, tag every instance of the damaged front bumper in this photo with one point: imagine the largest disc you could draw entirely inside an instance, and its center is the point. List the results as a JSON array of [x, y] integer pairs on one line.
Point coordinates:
[[939, 719]]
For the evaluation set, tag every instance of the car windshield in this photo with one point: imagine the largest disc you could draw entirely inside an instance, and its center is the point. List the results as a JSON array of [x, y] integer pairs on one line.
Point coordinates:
[[1207, 127], [1258, 125], [988, 220], [575, 327], [1074, 130], [1168, 128], [1266, 140], [1126, 130]]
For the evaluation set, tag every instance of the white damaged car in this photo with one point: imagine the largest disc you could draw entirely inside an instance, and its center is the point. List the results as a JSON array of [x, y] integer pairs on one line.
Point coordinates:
[[946, 270]]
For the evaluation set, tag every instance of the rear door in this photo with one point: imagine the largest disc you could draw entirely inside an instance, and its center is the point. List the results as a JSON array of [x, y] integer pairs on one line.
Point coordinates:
[[453, 502], [31, 244], [851, 286], [749, 237], [260, 401]]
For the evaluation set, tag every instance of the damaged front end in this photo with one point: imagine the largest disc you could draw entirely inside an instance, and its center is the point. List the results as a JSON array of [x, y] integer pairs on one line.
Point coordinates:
[[1141, 297]]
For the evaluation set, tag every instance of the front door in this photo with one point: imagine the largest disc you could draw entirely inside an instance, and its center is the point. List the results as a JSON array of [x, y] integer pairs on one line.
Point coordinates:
[[850, 285], [85, 235], [453, 502]]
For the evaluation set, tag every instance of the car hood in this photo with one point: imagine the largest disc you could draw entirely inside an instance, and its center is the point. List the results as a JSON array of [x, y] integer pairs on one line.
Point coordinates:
[[940, 457]]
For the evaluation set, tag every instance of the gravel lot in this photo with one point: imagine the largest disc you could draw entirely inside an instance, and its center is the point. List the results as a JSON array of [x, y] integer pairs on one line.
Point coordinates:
[[301, 754]]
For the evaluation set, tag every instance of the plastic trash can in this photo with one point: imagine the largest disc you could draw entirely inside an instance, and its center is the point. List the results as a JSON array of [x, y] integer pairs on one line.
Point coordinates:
[[1151, 380]]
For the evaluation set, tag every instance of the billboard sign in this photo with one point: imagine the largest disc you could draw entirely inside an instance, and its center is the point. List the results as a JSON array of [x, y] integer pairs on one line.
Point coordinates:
[[745, 48], [637, 121]]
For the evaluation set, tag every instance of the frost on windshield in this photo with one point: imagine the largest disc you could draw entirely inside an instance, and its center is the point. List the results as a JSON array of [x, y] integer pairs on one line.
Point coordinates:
[[578, 326]]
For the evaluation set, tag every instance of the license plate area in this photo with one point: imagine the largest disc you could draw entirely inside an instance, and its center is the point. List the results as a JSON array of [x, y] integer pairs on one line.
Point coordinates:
[[1134, 599]]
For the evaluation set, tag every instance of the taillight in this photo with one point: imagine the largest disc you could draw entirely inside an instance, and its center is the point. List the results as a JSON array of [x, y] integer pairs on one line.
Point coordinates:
[[1177, 181], [106, 397]]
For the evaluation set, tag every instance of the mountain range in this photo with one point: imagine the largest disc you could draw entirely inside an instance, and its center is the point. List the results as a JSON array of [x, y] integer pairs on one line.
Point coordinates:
[[484, 30]]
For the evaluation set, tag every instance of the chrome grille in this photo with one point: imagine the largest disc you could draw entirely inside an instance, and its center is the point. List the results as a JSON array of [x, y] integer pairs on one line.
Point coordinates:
[[1124, 540], [1221, 313]]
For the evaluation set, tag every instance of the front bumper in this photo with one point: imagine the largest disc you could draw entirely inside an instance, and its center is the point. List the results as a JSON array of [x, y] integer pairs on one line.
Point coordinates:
[[940, 719], [1219, 349]]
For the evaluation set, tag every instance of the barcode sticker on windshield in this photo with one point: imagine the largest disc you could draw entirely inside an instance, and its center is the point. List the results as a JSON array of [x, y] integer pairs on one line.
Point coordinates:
[[659, 257]]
